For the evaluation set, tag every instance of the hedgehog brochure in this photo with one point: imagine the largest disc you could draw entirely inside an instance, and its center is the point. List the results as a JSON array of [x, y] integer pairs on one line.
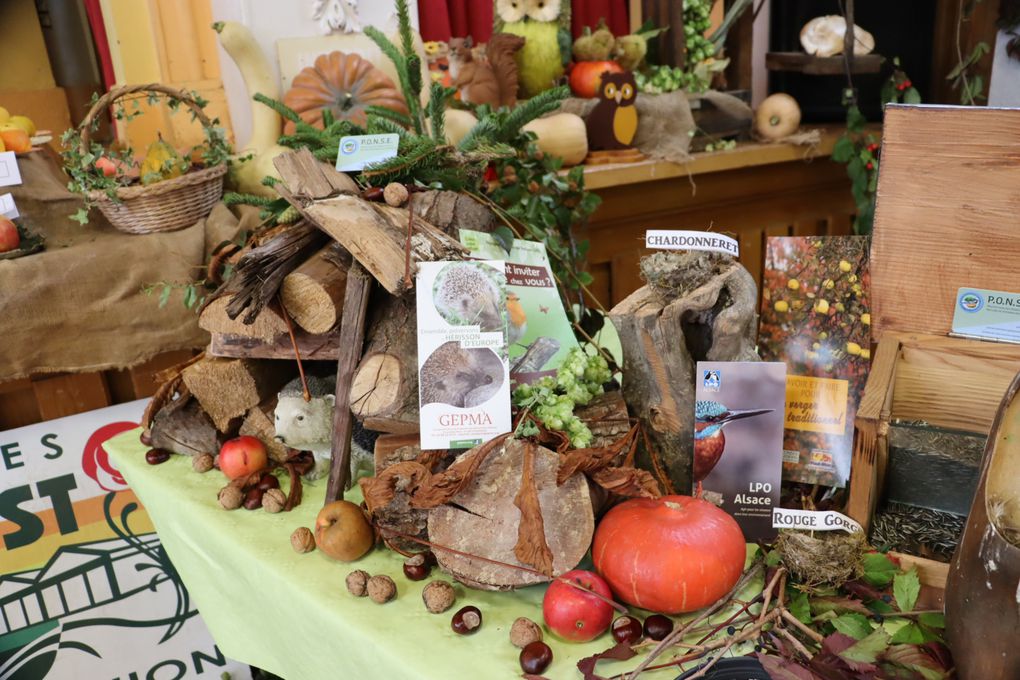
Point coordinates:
[[463, 368]]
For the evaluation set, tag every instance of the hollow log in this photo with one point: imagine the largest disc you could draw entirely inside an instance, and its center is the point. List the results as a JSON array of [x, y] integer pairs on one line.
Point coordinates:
[[313, 294], [227, 388], [694, 309], [451, 211], [384, 391], [182, 427]]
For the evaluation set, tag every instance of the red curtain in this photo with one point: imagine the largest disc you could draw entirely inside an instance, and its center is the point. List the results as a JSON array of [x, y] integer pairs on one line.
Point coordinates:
[[445, 19]]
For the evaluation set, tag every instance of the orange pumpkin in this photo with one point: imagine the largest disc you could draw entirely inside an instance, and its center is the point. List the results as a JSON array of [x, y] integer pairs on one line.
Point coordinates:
[[344, 83]]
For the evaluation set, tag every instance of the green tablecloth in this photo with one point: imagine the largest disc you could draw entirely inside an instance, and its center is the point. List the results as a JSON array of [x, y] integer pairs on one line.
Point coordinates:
[[291, 614]]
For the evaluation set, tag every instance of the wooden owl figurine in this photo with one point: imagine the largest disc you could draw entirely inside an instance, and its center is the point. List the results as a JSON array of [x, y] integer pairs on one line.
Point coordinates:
[[613, 122]]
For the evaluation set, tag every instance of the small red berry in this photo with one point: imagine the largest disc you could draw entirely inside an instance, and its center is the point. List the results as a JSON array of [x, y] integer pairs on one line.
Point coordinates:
[[870, 166], [872, 147], [906, 84]]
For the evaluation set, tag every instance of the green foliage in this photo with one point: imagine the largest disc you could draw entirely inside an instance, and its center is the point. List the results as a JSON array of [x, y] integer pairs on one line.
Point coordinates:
[[867, 650], [879, 570], [853, 624], [906, 588]]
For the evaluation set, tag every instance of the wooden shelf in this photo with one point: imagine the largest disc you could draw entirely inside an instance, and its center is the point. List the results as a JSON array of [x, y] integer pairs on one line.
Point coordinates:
[[746, 155], [821, 66]]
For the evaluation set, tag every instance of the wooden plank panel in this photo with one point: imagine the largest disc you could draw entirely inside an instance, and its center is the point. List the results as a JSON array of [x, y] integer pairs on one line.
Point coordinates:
[[947, 212], [18, 406], [66, 395], [751, 242], [141, 376], [810, 227], [840, 225]]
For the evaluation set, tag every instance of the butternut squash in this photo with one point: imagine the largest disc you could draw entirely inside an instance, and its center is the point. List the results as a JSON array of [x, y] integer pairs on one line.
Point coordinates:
[[458, 123], [267, 124], [777, 116], [563, 135]]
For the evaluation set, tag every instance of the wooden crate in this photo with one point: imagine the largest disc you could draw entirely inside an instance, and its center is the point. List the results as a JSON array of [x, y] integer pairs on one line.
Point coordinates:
[[946, 218]]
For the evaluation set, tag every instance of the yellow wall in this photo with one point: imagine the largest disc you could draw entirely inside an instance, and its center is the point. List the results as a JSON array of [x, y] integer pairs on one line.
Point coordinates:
[[25, 64]]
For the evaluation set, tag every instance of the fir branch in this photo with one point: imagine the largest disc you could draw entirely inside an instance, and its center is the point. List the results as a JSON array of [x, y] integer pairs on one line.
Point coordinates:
[[437, 110], [536, 107], [326, 154], [404, 24], [281, 108], [378, 126], [389, 114], [327, 117], [234, 198], [400, 62], [484, 130]]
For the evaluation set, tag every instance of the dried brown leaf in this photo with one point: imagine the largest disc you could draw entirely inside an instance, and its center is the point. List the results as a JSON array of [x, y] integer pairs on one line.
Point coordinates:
[[620, 652], [435, 490], [779, 668], [628, 482], [532, 548], [590, 460], [378, 491]]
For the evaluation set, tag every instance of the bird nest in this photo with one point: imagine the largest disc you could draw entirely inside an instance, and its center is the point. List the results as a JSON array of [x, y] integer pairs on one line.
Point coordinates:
[[825, 558], [677, 273]]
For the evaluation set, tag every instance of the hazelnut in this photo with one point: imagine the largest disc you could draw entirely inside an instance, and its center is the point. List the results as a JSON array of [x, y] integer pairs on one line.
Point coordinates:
[[302, 540], [416, 567], [357, 583], [535, 658], [253, 499], [395, 194], [466, 621], [231, 497], [203, 462], [438, 596], [273, 500], [381, 589], [524, 631], [157, 456]]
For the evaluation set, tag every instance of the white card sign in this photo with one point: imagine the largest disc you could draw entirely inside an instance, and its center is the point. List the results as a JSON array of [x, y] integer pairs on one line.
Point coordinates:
[[10, 175], [7, 207]]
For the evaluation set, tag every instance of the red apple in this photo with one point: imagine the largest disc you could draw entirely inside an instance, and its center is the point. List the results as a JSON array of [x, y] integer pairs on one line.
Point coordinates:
[[242, 456], [574, 614], [9, 237], [106, 166]]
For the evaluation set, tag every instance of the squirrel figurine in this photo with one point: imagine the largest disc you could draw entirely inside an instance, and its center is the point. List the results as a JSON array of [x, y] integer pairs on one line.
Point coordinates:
[[491, 79]]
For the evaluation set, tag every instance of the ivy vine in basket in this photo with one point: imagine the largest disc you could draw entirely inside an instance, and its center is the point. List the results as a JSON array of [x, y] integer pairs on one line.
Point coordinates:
[[95, 170]]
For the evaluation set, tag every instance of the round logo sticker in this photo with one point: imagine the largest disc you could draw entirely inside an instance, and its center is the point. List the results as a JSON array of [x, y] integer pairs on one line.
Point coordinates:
[[971, 302], [350, 146]]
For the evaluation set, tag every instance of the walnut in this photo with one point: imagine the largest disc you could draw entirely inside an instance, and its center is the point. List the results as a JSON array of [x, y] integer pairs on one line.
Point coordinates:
[[381, 589], [302, 540], [231, 497], [395, 194], [273, 500], [524, 631], [438, 596], [357, 583], [203, 462]]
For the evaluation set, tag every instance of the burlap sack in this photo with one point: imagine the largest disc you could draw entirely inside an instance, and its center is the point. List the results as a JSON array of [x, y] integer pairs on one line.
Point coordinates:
[[78, 306]]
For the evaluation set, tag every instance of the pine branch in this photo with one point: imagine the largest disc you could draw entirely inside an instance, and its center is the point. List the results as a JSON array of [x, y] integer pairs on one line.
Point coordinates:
[[281, 108], [234, 198], [404, 23], [437, 110], [389, 114], [326, 154], [537, 106], [378, 126], [483, 131], [401, 63]]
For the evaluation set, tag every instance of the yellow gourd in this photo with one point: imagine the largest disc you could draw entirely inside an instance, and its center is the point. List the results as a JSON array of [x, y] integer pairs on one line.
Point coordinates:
[[162, 162], [777, 116], [563, 135], [247, 176]]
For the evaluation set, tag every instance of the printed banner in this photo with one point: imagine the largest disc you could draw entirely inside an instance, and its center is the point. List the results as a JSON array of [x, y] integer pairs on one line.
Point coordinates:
[[86, 590], [814, 520], [661, 239]]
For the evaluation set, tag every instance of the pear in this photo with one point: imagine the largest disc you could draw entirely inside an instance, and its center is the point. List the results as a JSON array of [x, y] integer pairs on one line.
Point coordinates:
[[162, 162]]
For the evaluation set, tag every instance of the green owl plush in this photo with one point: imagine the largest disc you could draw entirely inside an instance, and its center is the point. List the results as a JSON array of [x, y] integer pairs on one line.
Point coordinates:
[[545, 26]]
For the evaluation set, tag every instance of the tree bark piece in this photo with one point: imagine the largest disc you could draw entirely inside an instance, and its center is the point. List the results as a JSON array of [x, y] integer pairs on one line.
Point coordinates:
[[384, 390], [352, 338], [324, 347], [482, 520], [260, 423], [606, 416], [182, 427], [309, 178], [227, 388], [664, 334], [313, 294], [268, 324], [451, 211]]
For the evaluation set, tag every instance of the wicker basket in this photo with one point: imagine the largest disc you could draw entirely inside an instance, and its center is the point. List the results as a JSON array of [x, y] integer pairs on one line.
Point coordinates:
[[168, 205]]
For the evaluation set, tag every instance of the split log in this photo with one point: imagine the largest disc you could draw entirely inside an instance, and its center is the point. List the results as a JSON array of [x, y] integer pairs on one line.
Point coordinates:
[[267, 325], [227, 388], [313, 294], [697, 307], [352, 339], [451, 211], [312, 347], [606, 416], [384, 390], [260, 423], [182, 427], [482, 519], [308, 177]]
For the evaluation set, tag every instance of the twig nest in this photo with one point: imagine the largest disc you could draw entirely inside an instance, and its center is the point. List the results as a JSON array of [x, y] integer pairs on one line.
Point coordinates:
[[438, 596], [381, 589], [827, 558], [357, 583], [395, 194], [302, 540], [231, 497], [273, 501], [524, 631], [203, 462], [673, 274]]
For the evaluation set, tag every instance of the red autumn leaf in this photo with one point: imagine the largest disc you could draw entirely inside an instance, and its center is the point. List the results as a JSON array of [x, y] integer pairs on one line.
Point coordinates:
[[914, 658], [619, 652], [862, 590], [779, 668], [839, 605]]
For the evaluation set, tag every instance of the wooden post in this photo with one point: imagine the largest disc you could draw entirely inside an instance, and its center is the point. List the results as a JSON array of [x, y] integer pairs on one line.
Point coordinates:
[[352, 337], [673, 43]]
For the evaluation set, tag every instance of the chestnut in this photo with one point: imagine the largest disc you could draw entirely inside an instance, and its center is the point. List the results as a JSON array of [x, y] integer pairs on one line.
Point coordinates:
[[535, 657], [657, 627], [416, 567], [268, 481], [467, 620], [157, 456], [145, 438], [626, 629], [253, 499], [372, 194]]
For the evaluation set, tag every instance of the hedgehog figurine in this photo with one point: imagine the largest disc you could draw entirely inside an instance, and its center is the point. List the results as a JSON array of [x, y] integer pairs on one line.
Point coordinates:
[[308, 426], [460, 377], [465, 295]]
